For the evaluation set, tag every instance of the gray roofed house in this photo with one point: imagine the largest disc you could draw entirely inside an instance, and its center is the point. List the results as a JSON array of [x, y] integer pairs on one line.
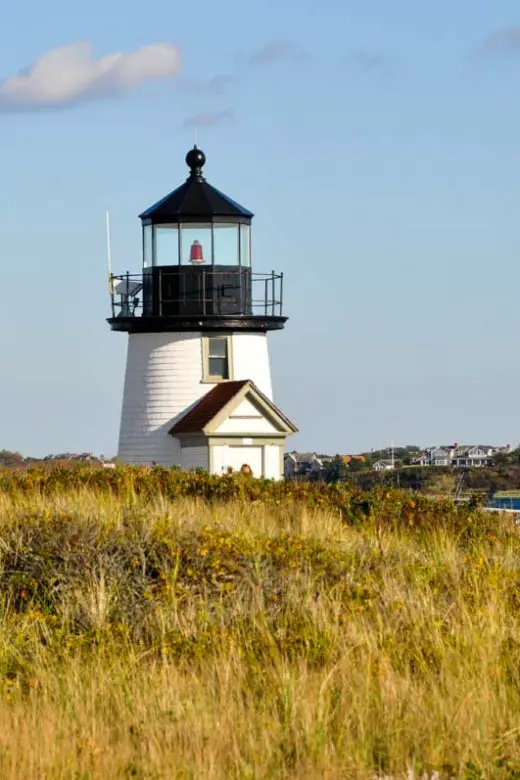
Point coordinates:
[[304, 464], [383, 465]]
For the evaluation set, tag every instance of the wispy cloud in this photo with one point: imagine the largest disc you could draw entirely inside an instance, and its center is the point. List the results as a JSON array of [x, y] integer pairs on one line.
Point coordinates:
[[504, 41], [71, 74], [272, 52], [209, 118], [368, 61], [216, 85]]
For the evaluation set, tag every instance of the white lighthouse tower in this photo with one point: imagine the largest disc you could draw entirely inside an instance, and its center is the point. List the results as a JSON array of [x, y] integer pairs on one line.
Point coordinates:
[[197, 389]]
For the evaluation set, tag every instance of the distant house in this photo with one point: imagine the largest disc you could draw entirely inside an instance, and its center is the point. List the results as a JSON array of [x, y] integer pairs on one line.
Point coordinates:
[[383, 465], [422, 461], [303, 464], [473, 456], [439, 456], [463, 455]]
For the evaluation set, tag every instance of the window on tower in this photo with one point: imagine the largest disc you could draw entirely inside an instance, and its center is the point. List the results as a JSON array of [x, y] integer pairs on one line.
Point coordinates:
[[217, 358]]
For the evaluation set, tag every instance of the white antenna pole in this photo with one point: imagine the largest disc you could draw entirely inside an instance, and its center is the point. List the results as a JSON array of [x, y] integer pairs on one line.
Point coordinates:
[[393, 459], [109, 252]]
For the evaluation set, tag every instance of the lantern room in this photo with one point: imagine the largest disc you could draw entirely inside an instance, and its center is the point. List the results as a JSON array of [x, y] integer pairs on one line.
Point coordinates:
[[196, 225]]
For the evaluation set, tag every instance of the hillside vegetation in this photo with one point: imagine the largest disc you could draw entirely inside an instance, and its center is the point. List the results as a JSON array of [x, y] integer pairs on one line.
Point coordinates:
[[162, 625], [439, 480]]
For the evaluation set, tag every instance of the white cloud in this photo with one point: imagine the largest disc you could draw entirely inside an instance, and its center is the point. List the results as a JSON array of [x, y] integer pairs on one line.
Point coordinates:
[[70, 74]]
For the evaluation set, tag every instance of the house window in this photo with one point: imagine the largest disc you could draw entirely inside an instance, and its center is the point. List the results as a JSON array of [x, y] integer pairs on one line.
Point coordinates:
[[217, 358]]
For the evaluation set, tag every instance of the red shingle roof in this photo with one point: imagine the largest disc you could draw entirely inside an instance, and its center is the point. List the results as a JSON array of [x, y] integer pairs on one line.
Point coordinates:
[[208, 406]]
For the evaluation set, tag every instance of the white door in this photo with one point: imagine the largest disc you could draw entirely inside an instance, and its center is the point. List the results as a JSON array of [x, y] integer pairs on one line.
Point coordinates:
[[237, 456]]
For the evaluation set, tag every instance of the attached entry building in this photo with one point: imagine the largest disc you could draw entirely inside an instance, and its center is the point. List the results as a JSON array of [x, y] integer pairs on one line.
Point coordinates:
[[232, 425]]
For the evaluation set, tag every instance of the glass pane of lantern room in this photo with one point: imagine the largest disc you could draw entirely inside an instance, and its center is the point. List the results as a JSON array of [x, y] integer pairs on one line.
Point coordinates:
[[196, 244], [147, 246], [245, 245], [166, 245], [226, 243]]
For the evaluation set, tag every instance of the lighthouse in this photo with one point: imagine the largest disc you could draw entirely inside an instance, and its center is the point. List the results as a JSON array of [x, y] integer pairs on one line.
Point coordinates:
[[197, 388]]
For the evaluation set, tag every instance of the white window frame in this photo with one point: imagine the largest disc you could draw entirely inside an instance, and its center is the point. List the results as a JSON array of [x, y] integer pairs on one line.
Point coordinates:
[[206, 376]]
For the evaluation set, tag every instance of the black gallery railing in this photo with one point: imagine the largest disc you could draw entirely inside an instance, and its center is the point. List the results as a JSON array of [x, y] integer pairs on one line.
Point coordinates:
[[186, 291]]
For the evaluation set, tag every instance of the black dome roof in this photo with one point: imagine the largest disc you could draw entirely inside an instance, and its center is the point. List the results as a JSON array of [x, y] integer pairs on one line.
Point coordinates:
[[196, 199]]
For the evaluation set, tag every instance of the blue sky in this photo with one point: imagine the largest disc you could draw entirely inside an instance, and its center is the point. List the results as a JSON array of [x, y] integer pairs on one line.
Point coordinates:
[[377, 144]]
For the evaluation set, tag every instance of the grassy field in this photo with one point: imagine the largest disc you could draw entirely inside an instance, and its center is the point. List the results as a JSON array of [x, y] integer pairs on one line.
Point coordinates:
[[154, 626]]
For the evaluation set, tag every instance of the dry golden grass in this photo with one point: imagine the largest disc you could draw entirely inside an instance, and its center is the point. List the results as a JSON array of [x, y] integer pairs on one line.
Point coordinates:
[[154, 639]]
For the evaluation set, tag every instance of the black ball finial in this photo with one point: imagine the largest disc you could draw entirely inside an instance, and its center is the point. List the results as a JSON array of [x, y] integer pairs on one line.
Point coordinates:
[[195, 160]]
